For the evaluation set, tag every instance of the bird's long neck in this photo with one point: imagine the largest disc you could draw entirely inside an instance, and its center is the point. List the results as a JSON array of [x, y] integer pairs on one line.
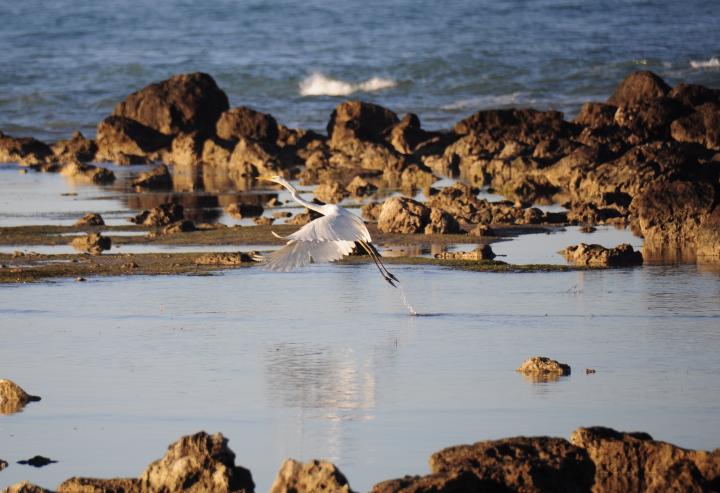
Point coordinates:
[[296, 197]]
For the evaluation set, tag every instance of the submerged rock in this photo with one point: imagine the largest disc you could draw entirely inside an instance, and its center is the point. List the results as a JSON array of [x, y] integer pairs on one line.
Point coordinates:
[[403, 215], [597, 255], [94, 243], [37, 461], [161, 215], [311, 477], [90, 219], [541, 365], [13, 398], [636, 462], [241, 210], [482, 252]]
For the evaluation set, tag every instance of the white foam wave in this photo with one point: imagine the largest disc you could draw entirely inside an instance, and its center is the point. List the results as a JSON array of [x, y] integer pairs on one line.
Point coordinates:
[[713, 62], [317, 84]]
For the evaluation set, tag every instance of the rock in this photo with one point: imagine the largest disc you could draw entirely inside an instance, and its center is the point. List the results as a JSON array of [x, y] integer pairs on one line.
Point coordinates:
[[197, 463], [359, 120], [494, 127], [282, 214], [87, 172], [636, 462], [121, 139], [157, 178], [187, 149], [597, 255], [440, 222], [25, 487], [77, 148], [263, 220], [596, 115], [224, 259], [707, 239], [482, 230], [650, 119], [694, 95], [3, 464], [13, 398], [542, 366], [482, 252], [521, 464], [241, 211], [451, 482], [161, 215], [37, 461], [331, 192], [246, 123], [182, 103], [249, 158], [311, 477], [403, 215], [94, 243], [359, 187], [639, 86], [183, 226], [95, 485], [26, 151], [300, 219], [372, 211], [90, 219], [407, 137], [701, 127]]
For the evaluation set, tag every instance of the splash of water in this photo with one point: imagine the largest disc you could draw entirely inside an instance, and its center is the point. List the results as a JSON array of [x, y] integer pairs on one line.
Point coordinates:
[[317, 84], [407, 304]]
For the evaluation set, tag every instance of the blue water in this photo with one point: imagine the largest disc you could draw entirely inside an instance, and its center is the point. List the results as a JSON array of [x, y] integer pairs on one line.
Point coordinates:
[[65, 64]]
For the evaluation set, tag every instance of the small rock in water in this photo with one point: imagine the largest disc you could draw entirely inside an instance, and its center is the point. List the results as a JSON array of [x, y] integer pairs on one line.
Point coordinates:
[[3, 464], [483, 252], [541, 368], [597, 255], [263, 221], [588, 371], [80, 279], [94, 243], [37, 461], [13, 398], [316, 475], [90, 219], [482, 230]]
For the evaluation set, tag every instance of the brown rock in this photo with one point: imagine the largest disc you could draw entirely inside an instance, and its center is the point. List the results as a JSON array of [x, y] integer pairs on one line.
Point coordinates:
[[263, 220], [197, 463], [521, 464], [650, 119], [441, 222], [639, 86], [94, 243], [331, 192], [187, 149], [529, 126], [597, 255], [251, 159], [359, 187], [90, 219], [183, 226], [482, 230], [543, 366], [25, 487], [96, 485], [246, 123], [13, 398], [372, 211], [451, 482], [707, 240], [694, 95], [235, 258], [156, 178], [635, 462], [87, 172], [311, 477], [359, 120], [78, 148], [182, 103], [217, 152], [407, 137], [161, 215], [118, 136], [26, 151], [3, 464], [240, 210], [482, 252], [701, 127], [596, 115], [403, 215]]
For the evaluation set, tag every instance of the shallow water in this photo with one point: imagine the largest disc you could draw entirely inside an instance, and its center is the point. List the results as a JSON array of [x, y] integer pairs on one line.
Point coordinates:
[[326, 362]]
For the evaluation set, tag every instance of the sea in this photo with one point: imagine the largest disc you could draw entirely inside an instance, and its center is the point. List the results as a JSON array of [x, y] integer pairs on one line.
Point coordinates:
[[329, 361]]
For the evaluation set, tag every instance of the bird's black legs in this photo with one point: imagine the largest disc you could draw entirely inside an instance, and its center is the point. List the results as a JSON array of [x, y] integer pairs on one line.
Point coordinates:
[[387, 275]]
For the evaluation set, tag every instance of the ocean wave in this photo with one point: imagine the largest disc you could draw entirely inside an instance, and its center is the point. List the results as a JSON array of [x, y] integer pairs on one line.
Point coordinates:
[[713, 62], [489, 101], [317, 84]]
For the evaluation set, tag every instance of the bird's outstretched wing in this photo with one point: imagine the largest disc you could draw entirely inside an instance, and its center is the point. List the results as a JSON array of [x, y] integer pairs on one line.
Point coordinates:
[[299, 253], [340, 226]]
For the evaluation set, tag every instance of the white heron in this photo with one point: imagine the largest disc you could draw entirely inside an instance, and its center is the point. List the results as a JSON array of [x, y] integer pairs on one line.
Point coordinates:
[[324, 239]]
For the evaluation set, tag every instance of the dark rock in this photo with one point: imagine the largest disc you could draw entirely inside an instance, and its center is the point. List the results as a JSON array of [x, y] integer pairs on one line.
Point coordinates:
[[37, 461], [596, 115], [157, 178], [120, 139], [701, 127], [359, 187], [521, 464], [13, 398], [450, 482], [639, 86], [235, 258], [96, 485], [183, 226], [694, 95], [311, 477], [359, 120], [597, 255], [636, 462], [182, 103], [246, 123], [87, 172], [94, 243], [650, 119], [241, 210], [3, 464], [403, 215], [26, 151], [523, 125], [187, 150], [407, 137], [78, 148], [440, 222], [160, 216], [90, 219]]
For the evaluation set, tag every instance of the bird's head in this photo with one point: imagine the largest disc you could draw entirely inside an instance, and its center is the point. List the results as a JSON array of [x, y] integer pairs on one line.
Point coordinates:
[[273, 178]]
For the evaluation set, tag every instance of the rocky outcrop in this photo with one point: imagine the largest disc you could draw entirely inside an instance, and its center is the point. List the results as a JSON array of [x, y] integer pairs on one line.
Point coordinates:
[[331, 192], [94, 243], [596, 115], [234, 258], [700, 127], [87, 173], [451, 482], [311, 477], [403, 215], [182, 103], [26, 151], [157, 178], [183, 226], [247, 123], [25, 487], [13, 398], [77, 148], [598, 255], [482, 252], [126, 141], [90, 219], [96, 485], [358, 120], [441, 222], [161, 215], [543, 366], [359, 187], [636, 462], [639, 86]]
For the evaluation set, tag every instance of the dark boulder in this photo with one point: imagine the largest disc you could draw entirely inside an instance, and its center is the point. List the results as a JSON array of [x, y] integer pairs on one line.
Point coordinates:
[[157, 178], [23, 150], [701, 127], [403, 215], [244, 122], [118, 136], [161, 215], [639, 86], [360, 120], [77, 148]]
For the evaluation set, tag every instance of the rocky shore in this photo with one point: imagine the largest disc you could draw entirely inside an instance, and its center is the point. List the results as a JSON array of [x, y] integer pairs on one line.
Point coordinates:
[[647, 158], [595, 459]]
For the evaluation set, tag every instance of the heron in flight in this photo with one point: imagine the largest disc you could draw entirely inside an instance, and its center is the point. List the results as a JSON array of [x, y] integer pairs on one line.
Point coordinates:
[[324, 239]]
